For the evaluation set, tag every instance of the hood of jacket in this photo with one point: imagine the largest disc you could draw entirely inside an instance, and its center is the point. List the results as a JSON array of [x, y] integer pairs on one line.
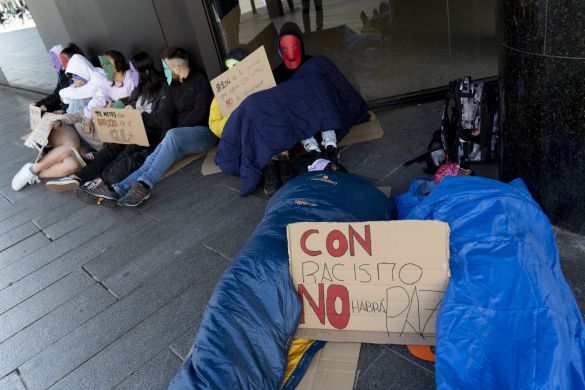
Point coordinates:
[[80, 66]]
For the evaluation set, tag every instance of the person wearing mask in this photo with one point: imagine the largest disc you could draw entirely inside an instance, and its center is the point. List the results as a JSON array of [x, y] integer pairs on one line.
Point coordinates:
[[86, 81], [190, 99], [114, 162], [59, 58]]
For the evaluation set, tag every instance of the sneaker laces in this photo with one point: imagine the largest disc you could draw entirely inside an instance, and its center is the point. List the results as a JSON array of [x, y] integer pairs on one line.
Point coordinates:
[[93, 184], [34, 179], [88, 156]]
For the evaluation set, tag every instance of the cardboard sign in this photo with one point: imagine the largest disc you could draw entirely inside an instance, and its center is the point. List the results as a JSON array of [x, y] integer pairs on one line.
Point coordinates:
[[35, 116], [120, 126], [375, 282], [251, 75], [39, 137]]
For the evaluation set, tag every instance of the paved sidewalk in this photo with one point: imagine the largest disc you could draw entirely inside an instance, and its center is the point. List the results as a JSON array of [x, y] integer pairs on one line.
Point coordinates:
[[102, 298], [24, 60]]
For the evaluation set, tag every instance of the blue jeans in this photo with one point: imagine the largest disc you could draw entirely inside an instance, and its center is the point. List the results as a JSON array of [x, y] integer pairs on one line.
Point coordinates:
[[177, 143]]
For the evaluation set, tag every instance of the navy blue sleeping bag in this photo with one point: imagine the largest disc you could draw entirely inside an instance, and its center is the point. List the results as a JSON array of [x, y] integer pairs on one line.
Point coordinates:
[[508, 319], [254, 311], [317, 98]]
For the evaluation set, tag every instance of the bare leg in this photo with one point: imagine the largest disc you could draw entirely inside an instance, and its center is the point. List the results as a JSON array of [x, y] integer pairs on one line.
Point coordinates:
[[65, 168], [55, 156], [63, 139]]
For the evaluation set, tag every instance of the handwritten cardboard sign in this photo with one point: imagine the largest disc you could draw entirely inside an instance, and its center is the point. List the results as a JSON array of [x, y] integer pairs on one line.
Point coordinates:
[[251, 75], [120, 126], [35, 116], [375, 282], [39, 137]]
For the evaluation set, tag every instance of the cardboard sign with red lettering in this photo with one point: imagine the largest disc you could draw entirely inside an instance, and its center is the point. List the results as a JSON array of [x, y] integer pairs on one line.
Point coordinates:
[[375, 282]]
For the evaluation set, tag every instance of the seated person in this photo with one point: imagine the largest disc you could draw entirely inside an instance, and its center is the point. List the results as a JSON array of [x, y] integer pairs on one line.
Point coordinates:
[[86, 81], [216, 119], [58, 162], [317, 97], [60, 58], [292, 51], [118, 85], [116, 161], [190, 98]]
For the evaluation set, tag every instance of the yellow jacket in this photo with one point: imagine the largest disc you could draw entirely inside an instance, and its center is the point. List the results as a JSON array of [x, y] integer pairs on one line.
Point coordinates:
[[216, 120]]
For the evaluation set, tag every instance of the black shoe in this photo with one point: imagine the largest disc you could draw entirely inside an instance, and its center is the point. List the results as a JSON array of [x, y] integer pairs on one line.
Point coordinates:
[[314, 155], [285, 169], [271, 179], [96, 192], [138, 193], [332, 155]]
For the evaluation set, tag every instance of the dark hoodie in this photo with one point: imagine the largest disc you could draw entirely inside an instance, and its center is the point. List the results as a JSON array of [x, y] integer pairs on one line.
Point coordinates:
[[282, 73]]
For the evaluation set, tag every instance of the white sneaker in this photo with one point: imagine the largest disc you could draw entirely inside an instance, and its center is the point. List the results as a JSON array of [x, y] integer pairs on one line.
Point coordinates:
[[67, 183], [24, 177]]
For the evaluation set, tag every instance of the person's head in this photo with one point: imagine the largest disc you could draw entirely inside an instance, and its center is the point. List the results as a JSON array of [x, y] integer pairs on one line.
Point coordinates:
[[175, 63], [68, 52], [234, 56], [54, 56], [146, 77], [290, 45], [113, 62]]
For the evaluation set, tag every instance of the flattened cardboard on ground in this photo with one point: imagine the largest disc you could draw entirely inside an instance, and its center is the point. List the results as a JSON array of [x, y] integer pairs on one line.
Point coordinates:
[[120, 126], [35, 116], [363, 132], [332, 368], [376, 282], [253, 74]]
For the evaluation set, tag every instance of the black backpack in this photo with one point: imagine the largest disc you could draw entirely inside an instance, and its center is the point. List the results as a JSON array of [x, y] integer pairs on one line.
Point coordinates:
[[469, 130]]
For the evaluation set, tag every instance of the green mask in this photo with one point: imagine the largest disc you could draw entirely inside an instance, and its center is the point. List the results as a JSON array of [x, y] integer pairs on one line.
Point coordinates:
[[107, 67], [230, 63], [168, 72]]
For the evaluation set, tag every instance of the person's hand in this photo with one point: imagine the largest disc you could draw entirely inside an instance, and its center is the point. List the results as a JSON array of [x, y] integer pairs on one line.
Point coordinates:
[[87, 126], [59, 112], [56, 124], [43, 108], [129, 107], [78, 83]]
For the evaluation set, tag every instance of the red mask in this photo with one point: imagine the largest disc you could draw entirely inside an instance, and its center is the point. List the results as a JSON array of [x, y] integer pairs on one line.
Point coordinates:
[[290, 48], [64, 61]]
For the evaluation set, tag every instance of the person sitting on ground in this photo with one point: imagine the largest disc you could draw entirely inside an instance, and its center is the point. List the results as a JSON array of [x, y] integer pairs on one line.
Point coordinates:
[[86, 81], [190, 97], [58, 162], [291, 50], [59, 58], [118, 85], [216, 119], [114, 162]]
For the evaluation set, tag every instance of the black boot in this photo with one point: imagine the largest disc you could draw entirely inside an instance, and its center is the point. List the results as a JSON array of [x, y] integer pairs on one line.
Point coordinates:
[[271, 178], [285, 169]]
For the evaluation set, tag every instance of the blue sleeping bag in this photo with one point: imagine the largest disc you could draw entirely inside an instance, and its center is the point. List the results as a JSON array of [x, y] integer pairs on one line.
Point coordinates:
[[316, 98], [254, 310], [508, 319]]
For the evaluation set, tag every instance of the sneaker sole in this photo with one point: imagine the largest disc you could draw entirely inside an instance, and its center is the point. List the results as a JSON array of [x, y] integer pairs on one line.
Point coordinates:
[[75, 154], [133, 205], [95, 200], [61, 187]]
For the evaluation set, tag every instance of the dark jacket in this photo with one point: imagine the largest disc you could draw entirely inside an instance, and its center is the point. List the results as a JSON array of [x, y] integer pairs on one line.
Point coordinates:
[[191, 100], [53, 101], [160, 119]]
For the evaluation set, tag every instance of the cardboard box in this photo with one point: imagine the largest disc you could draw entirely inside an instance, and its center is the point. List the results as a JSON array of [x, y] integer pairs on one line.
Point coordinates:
[[374, 282], [120, 126], [35, 116]]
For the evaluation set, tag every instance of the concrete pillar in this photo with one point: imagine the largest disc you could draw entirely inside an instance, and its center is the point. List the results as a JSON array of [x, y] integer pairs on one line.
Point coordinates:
[[542, 80]]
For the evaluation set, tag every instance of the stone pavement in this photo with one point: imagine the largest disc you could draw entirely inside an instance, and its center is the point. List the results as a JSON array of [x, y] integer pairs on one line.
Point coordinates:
[[24, 60], [102, 298]]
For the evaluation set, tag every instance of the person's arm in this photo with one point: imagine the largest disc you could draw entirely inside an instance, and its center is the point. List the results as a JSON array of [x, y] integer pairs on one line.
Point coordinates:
[[85, 91], [163, 116], [216, 120], [71, 118], [99, 100], [203, 95]]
